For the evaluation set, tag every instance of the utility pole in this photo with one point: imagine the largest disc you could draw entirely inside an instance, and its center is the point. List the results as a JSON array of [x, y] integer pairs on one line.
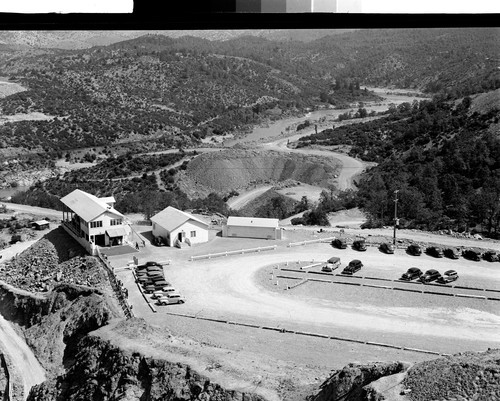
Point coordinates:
[[395, 214]]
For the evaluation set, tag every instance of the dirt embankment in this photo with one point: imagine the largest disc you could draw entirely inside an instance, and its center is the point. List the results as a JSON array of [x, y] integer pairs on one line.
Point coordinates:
[[351, 382], [240, 169], [108, 366], [464, 376]]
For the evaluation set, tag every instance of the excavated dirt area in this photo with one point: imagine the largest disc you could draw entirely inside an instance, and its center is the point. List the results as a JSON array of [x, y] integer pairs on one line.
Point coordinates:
[[240, 169]]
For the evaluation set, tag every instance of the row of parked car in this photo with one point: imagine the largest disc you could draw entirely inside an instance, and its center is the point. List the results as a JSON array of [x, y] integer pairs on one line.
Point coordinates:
[[416, 250], [430, 275], [152, 279], [334, 263], [412, 273], [454, 253]]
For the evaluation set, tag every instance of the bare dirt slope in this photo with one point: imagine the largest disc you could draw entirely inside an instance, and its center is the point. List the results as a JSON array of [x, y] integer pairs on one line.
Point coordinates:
[[238, 169]]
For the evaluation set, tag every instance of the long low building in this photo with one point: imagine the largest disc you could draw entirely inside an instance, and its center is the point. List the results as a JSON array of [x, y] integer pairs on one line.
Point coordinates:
[[251, 227]]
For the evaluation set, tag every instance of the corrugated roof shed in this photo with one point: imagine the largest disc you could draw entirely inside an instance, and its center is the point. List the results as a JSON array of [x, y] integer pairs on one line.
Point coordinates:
[[252, 222], [171, 218], [87, 206]]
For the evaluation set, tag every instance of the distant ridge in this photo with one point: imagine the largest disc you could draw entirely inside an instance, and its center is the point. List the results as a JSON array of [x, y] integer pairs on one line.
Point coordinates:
[[72, 40]]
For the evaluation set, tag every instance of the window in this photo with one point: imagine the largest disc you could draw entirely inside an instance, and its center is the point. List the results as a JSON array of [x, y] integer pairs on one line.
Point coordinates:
[[193, 234], [95, 224], [116, 222]]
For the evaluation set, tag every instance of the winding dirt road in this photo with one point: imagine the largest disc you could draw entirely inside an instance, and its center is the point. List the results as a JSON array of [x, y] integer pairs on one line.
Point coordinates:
[[241, 200], [350, 167], [21, 356]]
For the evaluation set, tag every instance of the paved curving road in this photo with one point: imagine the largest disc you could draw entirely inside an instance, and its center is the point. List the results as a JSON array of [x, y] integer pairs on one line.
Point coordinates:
[[21, 356]]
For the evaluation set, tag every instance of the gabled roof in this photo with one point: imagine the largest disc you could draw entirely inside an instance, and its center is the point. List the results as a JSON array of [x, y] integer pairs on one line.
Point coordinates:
[[172, 218], [252, 222], [87, 206]]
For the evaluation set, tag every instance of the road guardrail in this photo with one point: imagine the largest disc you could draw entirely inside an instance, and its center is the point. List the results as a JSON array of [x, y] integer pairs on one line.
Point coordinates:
[[236, 252]]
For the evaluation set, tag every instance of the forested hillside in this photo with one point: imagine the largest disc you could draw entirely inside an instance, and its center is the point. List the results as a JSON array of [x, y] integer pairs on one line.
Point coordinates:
[[442, 157], [180, 90]]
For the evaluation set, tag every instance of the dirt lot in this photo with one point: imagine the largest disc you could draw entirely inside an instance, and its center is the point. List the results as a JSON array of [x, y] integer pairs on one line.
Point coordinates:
[[241, 289]]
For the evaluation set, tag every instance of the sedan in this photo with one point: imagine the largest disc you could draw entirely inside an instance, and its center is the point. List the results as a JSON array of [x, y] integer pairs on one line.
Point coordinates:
[[452, 253], [435, 251], [430, 275], [491, 256], [339, 243], [448, 277], [171, 299], [387, 247], [411, 274]]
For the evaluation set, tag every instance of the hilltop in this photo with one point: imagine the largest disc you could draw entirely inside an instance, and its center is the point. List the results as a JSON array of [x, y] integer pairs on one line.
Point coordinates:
[[181, 90]]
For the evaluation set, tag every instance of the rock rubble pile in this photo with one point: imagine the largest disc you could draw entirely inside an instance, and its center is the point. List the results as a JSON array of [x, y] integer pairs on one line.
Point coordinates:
[[48, 263]]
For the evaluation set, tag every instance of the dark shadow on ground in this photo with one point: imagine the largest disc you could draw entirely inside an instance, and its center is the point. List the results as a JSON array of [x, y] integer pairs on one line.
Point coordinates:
[[148, 235], [65, 246], [117, 250]]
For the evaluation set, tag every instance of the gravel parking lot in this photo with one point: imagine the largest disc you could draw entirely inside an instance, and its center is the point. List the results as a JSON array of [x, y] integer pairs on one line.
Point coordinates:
[[239, 288]]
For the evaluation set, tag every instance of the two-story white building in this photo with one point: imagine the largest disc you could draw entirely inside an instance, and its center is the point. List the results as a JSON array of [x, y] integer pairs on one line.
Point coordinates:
[[94, 221]]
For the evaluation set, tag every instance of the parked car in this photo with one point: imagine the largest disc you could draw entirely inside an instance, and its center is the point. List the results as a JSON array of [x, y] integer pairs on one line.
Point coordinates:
[[414, 250], [171, 299], [334, 262], [491, 256], [353, 266], [163, 292], [340, 243], [149, 289], [472, 254], [411, 274], [154, 269], [452, 253], [448, 276], [160, 284], [145, 280], [435, 251], [151, 263], [430, 275], [154, 274], [359, 245], [386, 247]]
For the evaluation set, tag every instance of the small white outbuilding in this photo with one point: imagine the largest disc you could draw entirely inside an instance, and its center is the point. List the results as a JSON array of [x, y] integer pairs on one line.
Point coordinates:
[[174, 225], [251, 227]]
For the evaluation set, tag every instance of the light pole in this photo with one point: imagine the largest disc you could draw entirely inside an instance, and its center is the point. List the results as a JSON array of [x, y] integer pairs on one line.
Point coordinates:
[[395, 215]]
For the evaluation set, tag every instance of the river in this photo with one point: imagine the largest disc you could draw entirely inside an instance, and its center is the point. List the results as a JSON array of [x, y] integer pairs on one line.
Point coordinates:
[[273, 130]]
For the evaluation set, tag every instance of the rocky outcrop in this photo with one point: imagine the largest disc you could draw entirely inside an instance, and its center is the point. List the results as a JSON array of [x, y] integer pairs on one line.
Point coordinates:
[[464, 376], [104, 371], [53, 323], [56, 258], [348, 384]]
